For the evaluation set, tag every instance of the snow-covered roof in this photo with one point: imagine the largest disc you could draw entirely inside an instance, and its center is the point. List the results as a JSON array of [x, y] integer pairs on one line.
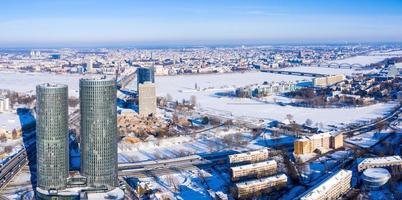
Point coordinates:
[[327, 185], [250, 153], [381, 160], [319, 136], [276, 178], [254, 165]]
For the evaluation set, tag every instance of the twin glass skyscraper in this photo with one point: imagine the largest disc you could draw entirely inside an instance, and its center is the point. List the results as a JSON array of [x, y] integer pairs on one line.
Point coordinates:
[[52, 136], [98, 134]]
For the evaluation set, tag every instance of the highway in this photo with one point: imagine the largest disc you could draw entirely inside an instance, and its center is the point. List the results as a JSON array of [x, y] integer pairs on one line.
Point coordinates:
[[14, 165], [168, 166]]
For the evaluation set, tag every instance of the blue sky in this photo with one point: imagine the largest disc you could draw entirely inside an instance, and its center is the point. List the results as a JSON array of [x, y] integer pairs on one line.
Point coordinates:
[[198, 21]]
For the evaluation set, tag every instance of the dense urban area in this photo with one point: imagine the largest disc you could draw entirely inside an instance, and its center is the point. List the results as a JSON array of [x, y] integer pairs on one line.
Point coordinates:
[[286, 122]]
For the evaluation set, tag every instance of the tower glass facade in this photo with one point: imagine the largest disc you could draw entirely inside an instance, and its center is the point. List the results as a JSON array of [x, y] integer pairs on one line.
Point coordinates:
[[99, 132], [145, 75], [52, 136]]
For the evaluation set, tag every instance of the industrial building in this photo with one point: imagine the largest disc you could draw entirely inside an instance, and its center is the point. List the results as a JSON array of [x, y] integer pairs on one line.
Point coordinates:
[[328, 80], [389, 161], [98, 132], [322, 141], [256, 170], [264, 185], [249, 157], [331, 188], [145, 74], [52, 136], [147, 99]]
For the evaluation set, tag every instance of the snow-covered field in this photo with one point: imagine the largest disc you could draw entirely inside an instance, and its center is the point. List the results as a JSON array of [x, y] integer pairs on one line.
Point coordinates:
[[26, 82], [9, 121], [175, 85], [363, 60]]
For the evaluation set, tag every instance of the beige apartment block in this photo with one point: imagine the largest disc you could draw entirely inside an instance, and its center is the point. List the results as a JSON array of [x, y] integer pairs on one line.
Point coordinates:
[[147, 99]]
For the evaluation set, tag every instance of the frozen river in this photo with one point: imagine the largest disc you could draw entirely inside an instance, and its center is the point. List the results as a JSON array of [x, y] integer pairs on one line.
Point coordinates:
[[182, 87]]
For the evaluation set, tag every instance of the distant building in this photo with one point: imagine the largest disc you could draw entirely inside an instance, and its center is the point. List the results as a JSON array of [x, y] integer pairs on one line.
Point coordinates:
[[249, 157], [328, 80], [4, 104], [55, 56], [35, 53], [89, 66], [389, 161], [52, 136], [255, 170], [331, 188], [147, 99], [99, 132], [247, 189], [145, 74]]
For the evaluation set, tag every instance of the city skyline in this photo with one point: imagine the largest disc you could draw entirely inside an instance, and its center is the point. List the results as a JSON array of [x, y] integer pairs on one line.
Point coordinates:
[[77, 23]]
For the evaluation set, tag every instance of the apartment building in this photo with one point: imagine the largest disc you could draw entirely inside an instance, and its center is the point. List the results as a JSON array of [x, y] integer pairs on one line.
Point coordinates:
[[249, 188], [256, 170], [388, 161], [326, 140], [331, 188], [249, 157]]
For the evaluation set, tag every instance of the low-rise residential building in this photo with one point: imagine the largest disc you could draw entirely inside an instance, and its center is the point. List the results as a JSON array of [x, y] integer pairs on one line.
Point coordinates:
[[256, 170], [249, 157], [331, 188], [264, 185], [388, 161], [4, 104]]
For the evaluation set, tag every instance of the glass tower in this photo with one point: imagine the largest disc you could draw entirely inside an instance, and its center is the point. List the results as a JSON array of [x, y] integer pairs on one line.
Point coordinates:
[[99, 132], [52, 136], [145, 75]]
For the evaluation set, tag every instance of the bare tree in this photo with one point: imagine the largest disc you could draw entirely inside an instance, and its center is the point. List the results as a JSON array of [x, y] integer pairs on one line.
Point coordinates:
[[3, 138], [309, 122], [169, 97], [173, 182], [289, 117], [14, 134], [73, 101]]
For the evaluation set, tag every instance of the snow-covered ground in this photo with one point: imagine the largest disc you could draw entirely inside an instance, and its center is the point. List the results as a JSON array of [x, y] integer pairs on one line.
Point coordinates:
[[175, 85], [368, 139], [26, 82], [209, 141], [9, 121], [363, 60], [187, 184]]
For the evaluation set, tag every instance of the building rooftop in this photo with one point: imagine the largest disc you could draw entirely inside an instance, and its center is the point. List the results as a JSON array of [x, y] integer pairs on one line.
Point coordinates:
[[269, 179], [327, 185], [52, 85], [381, 160], [254, 165], [250, 153]]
